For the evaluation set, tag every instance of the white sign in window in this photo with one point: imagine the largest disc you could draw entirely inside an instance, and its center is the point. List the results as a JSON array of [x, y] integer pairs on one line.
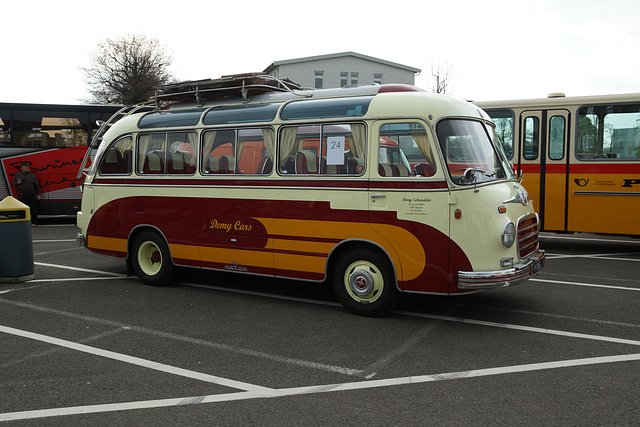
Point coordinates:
[[335, 150]]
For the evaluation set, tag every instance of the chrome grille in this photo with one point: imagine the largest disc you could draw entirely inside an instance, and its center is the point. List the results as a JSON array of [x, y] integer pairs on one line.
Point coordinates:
[[527, 235]]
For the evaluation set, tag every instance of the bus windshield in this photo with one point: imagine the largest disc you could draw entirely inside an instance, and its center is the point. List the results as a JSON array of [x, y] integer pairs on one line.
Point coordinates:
[[471, 157]]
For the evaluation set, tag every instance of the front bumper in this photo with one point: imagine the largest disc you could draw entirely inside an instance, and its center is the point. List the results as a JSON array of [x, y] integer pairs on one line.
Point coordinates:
[[476, 280]]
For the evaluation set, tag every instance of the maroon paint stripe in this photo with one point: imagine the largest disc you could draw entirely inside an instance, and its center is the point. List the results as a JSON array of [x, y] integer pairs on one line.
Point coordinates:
[[290, 252], [304, 238]]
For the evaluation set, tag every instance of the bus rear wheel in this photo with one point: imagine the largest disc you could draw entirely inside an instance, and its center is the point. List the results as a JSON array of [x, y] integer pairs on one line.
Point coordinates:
[[364, 283], [151, 259]]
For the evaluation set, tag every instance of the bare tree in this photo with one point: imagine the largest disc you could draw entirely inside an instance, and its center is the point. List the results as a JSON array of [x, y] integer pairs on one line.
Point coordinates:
[[124, 70], [441, 78]]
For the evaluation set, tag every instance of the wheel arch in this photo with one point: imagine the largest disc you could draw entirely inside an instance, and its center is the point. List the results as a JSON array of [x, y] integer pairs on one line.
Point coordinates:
[[351, 244], [141, 228]]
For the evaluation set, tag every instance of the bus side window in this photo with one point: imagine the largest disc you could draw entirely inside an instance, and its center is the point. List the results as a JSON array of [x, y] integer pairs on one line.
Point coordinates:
[[405, 150], [531, 138], [328, 149], [255, 151], [151, 153], [218, 152], [117, 159], [556, 138], [181, 155], [608, 132]]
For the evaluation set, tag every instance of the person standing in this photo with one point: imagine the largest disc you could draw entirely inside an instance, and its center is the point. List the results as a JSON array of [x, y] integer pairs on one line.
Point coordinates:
[[27, 184]]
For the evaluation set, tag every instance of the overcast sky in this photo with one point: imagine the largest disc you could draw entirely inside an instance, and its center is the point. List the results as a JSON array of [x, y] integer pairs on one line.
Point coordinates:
[[497, 49]]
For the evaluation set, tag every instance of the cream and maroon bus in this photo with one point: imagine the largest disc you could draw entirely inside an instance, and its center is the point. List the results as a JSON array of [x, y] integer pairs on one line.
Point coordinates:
[[245, 175]]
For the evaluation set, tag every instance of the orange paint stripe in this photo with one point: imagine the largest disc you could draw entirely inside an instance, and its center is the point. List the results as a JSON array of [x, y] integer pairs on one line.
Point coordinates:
[[293, 262], [185, 251], [302, 246], [243, 257], [107, 243]]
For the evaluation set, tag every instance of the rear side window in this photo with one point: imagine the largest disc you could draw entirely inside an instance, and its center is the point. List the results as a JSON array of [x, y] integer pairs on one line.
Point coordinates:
[[118, 158], [170, 153], [244, 151]]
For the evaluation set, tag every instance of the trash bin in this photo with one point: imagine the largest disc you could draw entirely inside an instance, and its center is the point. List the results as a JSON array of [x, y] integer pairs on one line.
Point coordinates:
[[16, 247]]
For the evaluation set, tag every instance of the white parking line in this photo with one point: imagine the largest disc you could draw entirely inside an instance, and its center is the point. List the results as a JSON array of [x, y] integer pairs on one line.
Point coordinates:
[[327, 388], [525, 328], [609, 257], [83, 270], [587, 239], [360, 373], [76, 279], [589, 285], [254, 391], [135, 360]]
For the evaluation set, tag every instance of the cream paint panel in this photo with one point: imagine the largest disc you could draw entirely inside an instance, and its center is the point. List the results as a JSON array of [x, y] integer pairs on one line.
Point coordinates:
[[426, 207], [479, 230]]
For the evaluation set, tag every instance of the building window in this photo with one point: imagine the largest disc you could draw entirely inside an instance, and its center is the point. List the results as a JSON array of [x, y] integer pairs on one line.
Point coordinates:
[[354, 78], [344, 78], [377, 78], [319, 79]]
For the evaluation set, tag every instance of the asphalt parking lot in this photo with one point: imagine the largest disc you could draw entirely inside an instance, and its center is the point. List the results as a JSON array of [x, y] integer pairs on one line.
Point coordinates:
[[82, 344]]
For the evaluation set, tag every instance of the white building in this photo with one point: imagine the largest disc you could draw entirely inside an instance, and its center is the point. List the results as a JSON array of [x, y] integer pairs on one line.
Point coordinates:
[[341, 69]]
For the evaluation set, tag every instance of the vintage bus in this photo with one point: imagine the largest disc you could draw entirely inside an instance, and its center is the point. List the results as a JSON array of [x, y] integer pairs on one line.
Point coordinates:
[[312, 185], [580, 157], [53, 139]]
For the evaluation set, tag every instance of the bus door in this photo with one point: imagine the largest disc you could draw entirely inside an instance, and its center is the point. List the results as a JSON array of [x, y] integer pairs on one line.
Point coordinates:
[[544, 137], [408, 204]]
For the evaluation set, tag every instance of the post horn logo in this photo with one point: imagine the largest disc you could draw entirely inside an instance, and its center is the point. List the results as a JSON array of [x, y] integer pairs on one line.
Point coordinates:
[[581, 182]]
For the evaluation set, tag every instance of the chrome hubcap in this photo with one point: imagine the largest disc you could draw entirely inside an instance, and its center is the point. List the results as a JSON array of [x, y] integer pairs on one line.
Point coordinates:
[[361, 282]]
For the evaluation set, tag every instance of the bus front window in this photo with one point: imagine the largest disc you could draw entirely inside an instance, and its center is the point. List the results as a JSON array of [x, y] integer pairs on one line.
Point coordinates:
[[470, 155]]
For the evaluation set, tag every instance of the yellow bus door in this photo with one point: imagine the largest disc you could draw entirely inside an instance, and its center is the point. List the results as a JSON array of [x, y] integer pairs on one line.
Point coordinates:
[[554, 173], [544, 155]]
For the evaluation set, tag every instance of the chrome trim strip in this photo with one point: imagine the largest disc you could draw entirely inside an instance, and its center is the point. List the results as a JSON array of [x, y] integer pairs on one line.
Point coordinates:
[[476, 280], [604, 193]]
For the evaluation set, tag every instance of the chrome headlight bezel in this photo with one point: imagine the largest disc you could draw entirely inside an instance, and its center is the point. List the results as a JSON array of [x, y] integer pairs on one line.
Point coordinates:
[[508, 235]]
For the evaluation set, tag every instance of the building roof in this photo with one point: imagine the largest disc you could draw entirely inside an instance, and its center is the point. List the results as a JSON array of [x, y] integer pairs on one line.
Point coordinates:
[[340, 55]]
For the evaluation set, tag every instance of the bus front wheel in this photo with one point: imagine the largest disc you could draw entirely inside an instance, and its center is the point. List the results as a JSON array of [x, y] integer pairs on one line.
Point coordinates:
[[151, 259], [364, 283]]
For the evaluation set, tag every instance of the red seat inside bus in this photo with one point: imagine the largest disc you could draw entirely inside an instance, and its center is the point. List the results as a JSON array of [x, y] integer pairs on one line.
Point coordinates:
[[306, 162]]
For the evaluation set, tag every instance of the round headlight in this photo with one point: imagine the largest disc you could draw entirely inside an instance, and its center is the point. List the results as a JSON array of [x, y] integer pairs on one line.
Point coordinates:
[[508, 235]]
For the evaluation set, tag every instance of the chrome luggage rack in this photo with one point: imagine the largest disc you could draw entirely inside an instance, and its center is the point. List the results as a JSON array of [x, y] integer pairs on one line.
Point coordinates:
[[232, 86]]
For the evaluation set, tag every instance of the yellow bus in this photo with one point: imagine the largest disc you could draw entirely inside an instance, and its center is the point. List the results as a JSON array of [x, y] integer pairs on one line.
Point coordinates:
[[580, 157], [379, 190]]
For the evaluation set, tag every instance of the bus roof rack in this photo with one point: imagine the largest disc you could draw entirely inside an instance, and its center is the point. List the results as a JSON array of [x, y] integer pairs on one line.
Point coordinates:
[[232, 86]]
